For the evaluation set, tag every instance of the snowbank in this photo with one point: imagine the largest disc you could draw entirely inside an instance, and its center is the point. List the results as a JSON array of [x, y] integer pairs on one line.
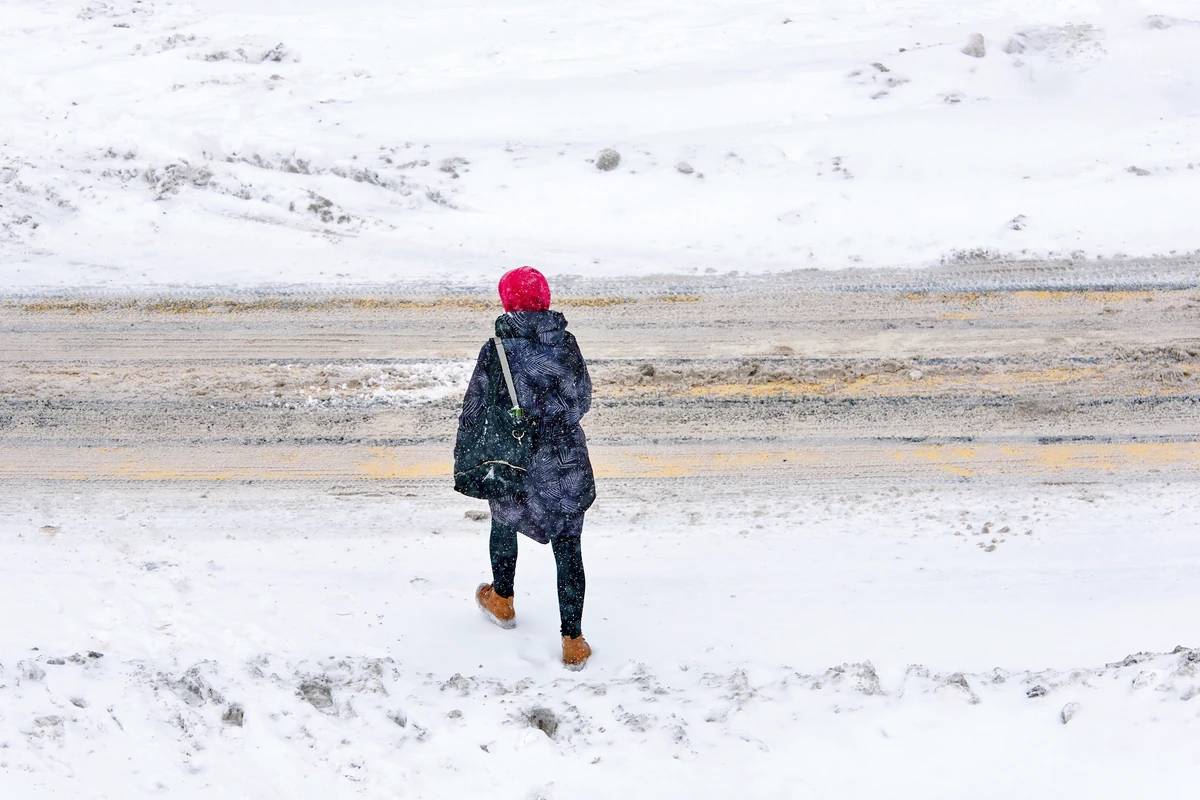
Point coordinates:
[[275, 642], [262, 142]]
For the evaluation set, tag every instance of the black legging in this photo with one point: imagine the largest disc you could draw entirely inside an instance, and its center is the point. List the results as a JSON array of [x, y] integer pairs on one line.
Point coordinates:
[[568, 555]]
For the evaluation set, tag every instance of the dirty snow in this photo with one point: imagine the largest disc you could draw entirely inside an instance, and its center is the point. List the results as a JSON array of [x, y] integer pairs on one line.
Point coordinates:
[[355, 384], [749, 642], [150, 143]]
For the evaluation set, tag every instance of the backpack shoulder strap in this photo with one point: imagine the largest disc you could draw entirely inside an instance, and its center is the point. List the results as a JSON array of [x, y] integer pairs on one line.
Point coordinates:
[[508, 379]]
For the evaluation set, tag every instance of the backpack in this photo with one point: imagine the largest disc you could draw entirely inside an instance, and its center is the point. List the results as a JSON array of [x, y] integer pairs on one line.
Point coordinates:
[[491, 459]]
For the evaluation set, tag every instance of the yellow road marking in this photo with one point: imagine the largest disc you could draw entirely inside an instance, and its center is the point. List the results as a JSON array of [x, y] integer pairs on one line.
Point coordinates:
[[1109, 296], [233, 463]]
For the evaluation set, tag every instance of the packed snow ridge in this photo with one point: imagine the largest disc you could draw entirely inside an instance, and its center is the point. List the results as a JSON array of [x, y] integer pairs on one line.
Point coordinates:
[[359, 719], [148, 142]]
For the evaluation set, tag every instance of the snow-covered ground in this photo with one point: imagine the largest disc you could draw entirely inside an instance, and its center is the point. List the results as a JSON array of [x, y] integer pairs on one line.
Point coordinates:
[[248, 142], [876, 642]]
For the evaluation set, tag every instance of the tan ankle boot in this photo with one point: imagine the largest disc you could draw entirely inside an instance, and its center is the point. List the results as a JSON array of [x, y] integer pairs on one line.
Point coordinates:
[[575, 653], [496, 608]]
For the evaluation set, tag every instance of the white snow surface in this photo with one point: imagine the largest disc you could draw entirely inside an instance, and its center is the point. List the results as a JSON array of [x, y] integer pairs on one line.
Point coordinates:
[[256, 142], [820, 643]]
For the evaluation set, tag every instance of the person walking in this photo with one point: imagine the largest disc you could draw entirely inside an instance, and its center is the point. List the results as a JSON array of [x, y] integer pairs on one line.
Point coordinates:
[[553, 392]]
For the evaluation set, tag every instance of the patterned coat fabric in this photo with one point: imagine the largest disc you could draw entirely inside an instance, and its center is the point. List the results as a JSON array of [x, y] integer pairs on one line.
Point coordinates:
[[555, 391]]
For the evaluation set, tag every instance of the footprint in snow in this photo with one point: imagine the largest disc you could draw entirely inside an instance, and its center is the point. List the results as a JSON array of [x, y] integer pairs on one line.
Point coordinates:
[[534, 651]]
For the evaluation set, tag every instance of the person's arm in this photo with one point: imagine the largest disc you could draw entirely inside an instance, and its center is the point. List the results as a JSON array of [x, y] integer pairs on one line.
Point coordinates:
[[477, 389], [583, 381]]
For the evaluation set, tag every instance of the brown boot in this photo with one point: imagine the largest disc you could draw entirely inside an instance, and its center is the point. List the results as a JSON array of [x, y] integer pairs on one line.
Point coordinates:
[[575, 653], [496, 608]]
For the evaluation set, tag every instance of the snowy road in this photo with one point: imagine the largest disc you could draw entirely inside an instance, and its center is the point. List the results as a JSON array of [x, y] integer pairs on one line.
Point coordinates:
[[914, 527], [719, 378]]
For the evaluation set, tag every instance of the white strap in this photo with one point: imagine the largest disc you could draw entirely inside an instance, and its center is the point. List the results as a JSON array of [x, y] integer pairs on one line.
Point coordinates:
[[512, 390]]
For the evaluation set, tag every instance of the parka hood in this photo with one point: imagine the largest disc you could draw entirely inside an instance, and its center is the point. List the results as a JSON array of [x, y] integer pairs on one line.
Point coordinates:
[[544, 327]]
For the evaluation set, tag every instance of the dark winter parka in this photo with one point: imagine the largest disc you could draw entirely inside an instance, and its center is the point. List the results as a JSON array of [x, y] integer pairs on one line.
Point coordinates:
[[555, 391]]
